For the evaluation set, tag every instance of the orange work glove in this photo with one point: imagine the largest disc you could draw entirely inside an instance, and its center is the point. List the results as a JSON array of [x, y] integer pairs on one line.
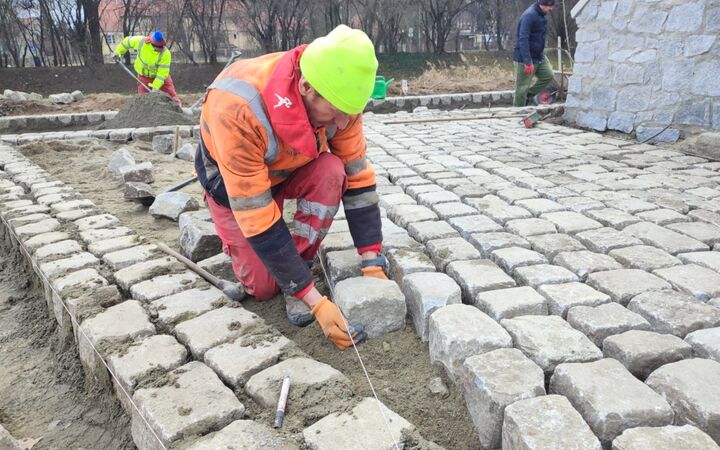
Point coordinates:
[[374, 271], [333, 324], [529, 69]]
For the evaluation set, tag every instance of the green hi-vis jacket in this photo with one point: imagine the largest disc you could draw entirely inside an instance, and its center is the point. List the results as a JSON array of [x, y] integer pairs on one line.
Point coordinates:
[[149, 63]]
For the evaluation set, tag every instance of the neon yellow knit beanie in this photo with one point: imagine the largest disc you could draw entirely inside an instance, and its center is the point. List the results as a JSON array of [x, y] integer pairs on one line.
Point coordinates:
[[341, 67]]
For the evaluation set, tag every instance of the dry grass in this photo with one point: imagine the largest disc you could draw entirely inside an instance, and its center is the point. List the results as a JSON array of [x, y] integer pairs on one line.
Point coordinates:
[[467, 77]]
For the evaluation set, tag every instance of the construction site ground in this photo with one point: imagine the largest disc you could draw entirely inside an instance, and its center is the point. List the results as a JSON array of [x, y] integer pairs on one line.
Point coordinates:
[[589, 195]]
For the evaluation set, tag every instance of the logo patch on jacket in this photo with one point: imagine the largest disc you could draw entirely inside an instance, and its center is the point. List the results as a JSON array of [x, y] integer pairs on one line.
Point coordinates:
[[282, 101]]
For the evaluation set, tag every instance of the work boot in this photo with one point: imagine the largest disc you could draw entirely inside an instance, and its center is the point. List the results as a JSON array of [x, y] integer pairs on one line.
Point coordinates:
[[297, 312]]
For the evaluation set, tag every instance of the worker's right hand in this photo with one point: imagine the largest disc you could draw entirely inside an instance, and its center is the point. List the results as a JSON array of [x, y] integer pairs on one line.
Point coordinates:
[[117, 58], [333, 324], [529, 69]]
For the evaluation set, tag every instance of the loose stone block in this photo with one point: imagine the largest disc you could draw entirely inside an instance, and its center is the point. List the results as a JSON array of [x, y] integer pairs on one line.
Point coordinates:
[[253, 435], [641, 352], [603, 240], [510, 258], [669, 437], [444, 251], [75, 262], [56, 198], [543, 274], [506, 303], [562, 297], [424, 294], [342, 265], [699, 281], [478, 275], [599, 322], [127, 257], [215, 327], [181, 408], [673, 312], [623, 284], [705, 343], [187, 152], [530, 227], [668, 240], [163, 285], [58, 249], [583, 263], [491, 382], [219, 265], [163, 143], [347, 430], [691, 388], [186, 305], [459, 331], [546, 422], [467, 225], [138, 172], [71, 216], [711, 260], [33, 229], [134, 190], [99, 248], [44, 239], [376, 305], [644, 257], [549, 341], [121, 323], [571, 222], [404, 215], [609, 398], [32, 218], [307, 375], [425, 231], [171, 204], [198, 238], [96, 221], [237, 361], [154, 355], [120, 158], [402, 262]]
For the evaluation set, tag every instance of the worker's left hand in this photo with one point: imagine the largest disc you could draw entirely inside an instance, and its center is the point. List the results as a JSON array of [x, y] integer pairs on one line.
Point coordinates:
[[373, 267], [374, 271], [117, 58]]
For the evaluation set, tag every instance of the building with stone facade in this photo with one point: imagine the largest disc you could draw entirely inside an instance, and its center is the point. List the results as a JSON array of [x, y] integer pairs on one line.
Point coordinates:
[[646, 66]]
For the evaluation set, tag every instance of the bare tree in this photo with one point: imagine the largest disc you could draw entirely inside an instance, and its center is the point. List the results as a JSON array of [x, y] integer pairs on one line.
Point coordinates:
[[437, 20], [262, 21], [292, 23], [207, 18]]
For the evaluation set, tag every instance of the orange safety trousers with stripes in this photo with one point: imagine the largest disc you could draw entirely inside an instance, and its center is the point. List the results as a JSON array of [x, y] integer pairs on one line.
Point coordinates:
[[318, 188]]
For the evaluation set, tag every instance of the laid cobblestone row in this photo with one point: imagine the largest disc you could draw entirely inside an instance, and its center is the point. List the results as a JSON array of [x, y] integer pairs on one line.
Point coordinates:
[[614, 221]]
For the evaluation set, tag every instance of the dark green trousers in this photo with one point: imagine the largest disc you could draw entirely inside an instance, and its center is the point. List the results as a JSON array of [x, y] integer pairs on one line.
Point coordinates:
[[523, 88]]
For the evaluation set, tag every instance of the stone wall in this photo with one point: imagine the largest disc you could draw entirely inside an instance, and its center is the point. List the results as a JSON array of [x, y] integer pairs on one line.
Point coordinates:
[[642, 65]]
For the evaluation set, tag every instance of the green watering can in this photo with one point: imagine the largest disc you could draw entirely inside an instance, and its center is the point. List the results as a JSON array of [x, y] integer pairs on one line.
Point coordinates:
[[380, 87]]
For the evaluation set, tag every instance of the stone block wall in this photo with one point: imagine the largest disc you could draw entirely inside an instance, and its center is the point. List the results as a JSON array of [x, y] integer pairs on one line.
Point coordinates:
[[646, 64]]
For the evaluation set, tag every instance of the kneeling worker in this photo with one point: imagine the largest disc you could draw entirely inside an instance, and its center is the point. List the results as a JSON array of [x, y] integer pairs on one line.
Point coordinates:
[[289, 126], [152, 64]]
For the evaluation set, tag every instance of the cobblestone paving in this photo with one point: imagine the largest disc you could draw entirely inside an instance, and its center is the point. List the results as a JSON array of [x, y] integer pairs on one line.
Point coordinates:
[[606, 236]]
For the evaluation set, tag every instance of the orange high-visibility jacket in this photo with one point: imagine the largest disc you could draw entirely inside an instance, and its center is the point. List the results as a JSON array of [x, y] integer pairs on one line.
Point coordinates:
[[254, 133]]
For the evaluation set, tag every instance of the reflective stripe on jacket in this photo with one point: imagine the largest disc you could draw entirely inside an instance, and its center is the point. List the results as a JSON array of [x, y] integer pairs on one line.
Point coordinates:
[[149, 63]]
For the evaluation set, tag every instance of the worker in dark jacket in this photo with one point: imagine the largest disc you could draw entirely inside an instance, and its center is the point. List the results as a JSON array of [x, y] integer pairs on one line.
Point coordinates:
[[528, 57]]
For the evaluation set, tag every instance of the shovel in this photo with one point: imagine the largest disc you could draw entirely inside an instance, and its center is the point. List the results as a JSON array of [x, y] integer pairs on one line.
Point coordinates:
[[148, 200], [136, 78]]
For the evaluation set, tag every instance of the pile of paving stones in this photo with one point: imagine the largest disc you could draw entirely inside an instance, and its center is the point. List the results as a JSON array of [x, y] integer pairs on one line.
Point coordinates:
[[568, 283]]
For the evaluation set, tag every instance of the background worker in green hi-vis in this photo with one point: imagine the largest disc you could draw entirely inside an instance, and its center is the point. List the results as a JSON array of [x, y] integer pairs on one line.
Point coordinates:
[[152, 64]]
